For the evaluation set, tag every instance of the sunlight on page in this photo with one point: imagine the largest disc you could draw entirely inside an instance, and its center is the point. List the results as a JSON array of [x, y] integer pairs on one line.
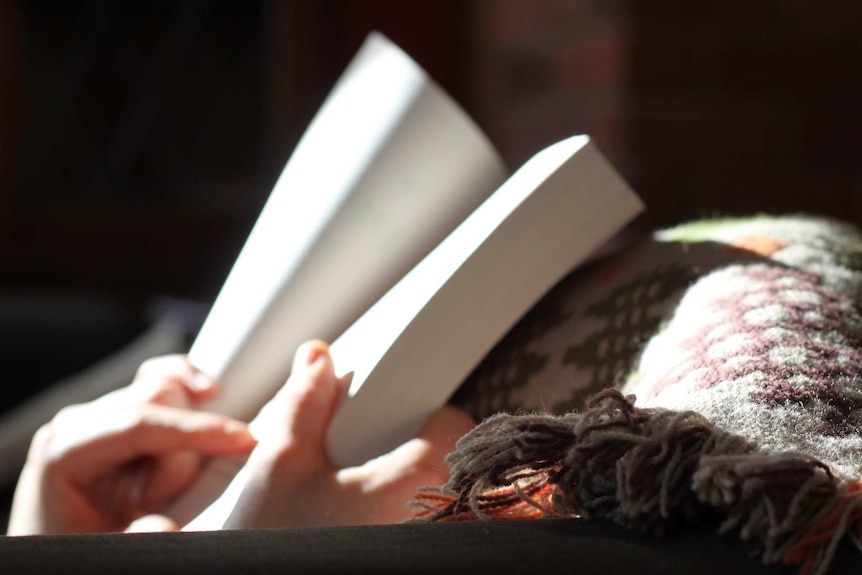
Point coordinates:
[[360, 348], [387, 168], [363, 347], [309, 192]]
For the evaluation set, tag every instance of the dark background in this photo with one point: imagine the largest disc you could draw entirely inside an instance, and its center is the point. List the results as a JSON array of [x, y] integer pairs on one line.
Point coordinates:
[[139, 138]]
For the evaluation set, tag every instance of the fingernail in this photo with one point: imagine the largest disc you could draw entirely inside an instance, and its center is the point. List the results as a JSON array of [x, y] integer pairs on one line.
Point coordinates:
[[238, 430], [200, 381], [308, 354]]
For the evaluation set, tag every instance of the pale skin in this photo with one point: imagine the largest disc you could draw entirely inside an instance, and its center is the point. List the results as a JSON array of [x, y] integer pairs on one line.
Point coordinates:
[[112, 464]]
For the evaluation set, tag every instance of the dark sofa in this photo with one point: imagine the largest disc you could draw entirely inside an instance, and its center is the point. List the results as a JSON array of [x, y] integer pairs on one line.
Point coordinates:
[[543, 546]]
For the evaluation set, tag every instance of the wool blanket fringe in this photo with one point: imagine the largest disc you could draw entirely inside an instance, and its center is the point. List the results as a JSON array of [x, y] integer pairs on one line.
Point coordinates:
[[648, 469]]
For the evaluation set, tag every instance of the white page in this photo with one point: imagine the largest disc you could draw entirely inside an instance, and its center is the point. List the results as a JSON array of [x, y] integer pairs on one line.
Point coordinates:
[[413, 348], [387, 168]]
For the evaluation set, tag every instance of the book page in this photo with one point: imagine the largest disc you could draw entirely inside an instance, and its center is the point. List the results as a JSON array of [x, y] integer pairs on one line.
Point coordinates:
[[417, 344], [387, 168], [414, 346]]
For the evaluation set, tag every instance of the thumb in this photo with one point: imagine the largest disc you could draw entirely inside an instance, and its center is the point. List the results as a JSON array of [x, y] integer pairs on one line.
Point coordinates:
[[297, 417]]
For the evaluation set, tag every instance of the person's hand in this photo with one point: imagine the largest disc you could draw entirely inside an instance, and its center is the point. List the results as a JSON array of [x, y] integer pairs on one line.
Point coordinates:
[[109, 464], [288, 479]]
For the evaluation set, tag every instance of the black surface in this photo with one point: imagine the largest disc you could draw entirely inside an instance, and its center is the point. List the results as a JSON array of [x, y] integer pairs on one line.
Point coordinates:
[[549, 546]]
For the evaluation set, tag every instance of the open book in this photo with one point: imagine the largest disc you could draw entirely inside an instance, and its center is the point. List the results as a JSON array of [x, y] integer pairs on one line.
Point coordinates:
[[394, 232]]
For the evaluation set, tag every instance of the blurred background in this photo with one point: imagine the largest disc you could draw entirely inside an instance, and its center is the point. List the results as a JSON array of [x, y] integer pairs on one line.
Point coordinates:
[[140, 138]]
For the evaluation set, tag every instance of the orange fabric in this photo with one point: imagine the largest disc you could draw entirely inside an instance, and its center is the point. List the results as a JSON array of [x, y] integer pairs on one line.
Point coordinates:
[[760, 244], [805, 550], [498, 504]]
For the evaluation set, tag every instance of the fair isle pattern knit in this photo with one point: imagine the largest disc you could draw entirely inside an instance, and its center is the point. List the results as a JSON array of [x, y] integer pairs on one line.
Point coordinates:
[[724, 362], [766, 348]]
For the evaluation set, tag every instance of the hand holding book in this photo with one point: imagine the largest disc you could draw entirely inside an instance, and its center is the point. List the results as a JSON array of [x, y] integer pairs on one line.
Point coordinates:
[[414, 255], [392, 231], [106, 464], [290, 481], [110, 464]]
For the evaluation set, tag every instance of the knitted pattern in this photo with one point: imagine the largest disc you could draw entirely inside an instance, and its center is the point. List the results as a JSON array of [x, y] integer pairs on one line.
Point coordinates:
[[723, 359]]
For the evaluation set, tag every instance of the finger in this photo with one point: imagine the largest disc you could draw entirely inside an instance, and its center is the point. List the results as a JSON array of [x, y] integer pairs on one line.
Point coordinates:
[[167, 380], [165, 365], [170, 474], [152, 524], [117, 494], [178, 374], [298, 415], [143, 485], [148, 430]]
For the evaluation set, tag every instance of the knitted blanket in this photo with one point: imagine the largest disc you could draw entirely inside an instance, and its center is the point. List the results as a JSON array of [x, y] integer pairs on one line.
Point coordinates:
[[710, 374]]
